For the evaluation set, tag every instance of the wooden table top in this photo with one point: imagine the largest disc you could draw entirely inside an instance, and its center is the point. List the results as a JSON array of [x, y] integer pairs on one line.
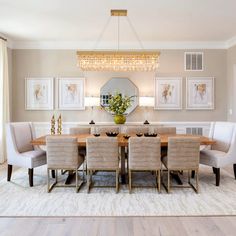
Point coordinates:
[[121, 140]]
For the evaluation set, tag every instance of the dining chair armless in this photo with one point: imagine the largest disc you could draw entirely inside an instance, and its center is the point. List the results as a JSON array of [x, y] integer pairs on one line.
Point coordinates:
[[182, 155], [102, 155], [165, 131], [103, 129], [82, 150], [62, 154], [136, 129], [20, 151], [145, 155]]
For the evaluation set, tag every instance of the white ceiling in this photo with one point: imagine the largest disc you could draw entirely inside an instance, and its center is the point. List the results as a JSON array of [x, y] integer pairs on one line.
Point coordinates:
[[80, 22]]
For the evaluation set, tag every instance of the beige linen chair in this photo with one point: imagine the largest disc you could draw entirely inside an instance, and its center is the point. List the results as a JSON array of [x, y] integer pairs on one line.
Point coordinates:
[[20, 151], [82, 150], [103, 129], [183, 155], [136, 129], [80, 130], [145, 155], [62, 154], [223, 152], [102, 155], [165, 130]]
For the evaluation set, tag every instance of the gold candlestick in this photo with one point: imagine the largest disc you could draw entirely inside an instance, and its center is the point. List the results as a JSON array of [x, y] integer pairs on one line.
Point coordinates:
[[59, 125], [53, 122]]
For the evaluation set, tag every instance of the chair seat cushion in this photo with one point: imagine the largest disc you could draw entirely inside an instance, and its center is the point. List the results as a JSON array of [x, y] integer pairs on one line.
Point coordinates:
[[213, 158], [34, 158]]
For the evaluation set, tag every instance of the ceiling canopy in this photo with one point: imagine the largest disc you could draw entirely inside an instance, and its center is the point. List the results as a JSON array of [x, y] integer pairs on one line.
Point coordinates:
[[154, 20]]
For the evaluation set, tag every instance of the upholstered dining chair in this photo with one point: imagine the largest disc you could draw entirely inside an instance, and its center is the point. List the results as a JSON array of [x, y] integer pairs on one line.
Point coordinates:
[[145, 155], [82, 150], [103, 129], [62, 154], [102, 155], [136, 129], [223, 152], [183, 155], [165, 131], [80, 130], [20, 151]]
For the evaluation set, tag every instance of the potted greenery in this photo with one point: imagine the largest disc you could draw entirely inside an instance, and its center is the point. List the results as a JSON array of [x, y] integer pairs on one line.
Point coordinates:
[[118, 105]]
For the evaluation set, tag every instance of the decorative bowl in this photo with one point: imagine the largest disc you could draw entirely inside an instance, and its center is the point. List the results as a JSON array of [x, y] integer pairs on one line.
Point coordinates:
[[96, 135], [139, 134], [111, 134], [150, 134], [126, 136]]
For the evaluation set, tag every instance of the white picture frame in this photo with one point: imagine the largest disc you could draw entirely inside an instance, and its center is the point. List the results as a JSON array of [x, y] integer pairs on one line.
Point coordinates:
[[39, 93], [71, 93], [168, 93], [200, 93]]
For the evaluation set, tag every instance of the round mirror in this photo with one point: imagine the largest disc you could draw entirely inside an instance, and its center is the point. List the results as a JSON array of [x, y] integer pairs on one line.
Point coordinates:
[[120, 85]]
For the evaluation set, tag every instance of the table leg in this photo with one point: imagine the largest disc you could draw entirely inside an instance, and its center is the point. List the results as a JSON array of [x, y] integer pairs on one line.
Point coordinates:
[[175, 176], [70, 178], [123, 173]]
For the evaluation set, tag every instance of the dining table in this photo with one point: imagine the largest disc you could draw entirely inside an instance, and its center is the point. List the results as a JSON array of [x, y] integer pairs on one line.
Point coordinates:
[[123, 144]]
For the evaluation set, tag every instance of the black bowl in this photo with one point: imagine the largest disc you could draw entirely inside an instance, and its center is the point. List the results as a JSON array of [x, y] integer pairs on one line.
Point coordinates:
[[111, 134], [139, 134], [126, 136], [96, 135], [150, 134]]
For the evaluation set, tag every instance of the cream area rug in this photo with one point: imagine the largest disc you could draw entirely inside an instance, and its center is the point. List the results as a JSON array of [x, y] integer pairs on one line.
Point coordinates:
[[18, 199]]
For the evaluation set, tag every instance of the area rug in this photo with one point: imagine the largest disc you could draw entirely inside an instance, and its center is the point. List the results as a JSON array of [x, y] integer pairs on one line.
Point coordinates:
[[18, 199]]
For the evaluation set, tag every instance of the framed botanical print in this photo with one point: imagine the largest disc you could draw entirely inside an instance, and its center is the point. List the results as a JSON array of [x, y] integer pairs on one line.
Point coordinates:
[[200, 93], [39, 93], [71, 93], [168, 93]]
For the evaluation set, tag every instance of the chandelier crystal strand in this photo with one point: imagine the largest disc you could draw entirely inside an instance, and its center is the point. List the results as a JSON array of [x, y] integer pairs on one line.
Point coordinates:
[[118, 61]]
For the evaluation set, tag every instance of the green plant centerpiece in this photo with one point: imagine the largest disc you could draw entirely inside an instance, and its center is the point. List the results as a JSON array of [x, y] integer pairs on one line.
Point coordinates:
[[118, 104]]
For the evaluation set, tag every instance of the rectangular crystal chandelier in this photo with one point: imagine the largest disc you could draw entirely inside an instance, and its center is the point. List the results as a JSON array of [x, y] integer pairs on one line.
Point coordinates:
[[118, 60]]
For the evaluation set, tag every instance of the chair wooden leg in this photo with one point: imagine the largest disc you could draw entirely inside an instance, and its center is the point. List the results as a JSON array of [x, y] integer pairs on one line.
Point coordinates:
[[88, 180], [159, 181], [9, 172], [217, 176], [130, 181], [197, 178], [168, 181], [234, 170], [31, 174], [156, 174], [117, 181], [76, 181]]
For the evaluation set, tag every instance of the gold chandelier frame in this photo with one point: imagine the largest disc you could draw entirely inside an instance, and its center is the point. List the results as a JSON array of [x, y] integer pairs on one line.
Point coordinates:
[[118, 60]]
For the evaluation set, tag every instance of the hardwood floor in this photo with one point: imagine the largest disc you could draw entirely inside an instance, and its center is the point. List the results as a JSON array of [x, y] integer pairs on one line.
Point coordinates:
[[119, 226]]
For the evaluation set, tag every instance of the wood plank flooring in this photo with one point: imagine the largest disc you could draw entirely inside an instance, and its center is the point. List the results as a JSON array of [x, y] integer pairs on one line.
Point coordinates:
[[104, 226]]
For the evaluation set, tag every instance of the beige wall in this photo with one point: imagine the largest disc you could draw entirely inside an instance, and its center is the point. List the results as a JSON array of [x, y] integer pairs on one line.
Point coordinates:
[[231, 83], [59, 63]]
